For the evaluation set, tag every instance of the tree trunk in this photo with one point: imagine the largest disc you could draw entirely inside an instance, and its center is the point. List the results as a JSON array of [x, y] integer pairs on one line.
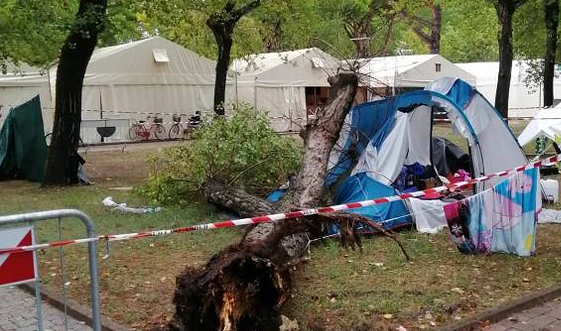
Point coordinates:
[[222, 24], [223, 35], [74, 58], [273, 39], [427, 31], [435, 29], [551, 10], [244, 286], [505, 11]]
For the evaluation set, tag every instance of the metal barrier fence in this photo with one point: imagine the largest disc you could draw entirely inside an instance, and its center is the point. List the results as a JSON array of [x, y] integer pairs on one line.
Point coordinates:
[[32, 218]]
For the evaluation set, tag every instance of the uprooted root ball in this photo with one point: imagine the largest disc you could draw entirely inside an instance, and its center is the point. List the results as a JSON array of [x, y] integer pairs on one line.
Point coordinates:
[[236, 291]]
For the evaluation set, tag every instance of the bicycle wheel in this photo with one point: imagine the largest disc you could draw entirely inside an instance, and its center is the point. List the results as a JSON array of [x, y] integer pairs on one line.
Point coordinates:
[[133, 133], [159, 131], [175, 132]]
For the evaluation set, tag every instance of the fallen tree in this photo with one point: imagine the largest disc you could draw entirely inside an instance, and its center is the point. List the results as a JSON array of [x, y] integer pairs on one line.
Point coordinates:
[[244, 286]]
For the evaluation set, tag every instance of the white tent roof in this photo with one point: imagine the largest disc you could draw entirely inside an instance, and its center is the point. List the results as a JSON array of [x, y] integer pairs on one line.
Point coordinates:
[[303, 67], [487, 72], [541, 125], [408, 70], [150, 61]]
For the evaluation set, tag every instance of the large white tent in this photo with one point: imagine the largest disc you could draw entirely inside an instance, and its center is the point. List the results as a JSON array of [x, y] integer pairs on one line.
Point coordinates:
[[406, 72], [283, 83], [541, 125], [129, 81], [520, 97]]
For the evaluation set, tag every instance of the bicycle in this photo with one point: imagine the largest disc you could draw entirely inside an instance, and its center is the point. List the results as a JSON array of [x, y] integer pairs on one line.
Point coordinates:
[[143, 130], [181, 130]]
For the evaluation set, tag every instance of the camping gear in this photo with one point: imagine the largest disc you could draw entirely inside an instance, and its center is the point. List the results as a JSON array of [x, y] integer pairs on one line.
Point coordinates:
[[428, 215], [500, 219], [109, 203], [380, 137], [551, 189], [23, 150], [515, 213], [549, 216], [448, 158], [470, 222]]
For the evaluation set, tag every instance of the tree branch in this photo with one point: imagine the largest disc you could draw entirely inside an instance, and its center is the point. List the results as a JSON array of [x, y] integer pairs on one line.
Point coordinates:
[[240, 12]]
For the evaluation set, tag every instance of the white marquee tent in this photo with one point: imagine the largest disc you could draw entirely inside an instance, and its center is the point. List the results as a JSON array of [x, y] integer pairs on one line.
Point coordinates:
[[408, 71], [278, 83], [520, 96], [127, 81]]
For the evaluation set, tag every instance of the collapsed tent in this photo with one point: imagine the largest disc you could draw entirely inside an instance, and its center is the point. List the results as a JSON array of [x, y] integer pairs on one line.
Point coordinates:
[[23, 150], [541, 125], [388, 142]]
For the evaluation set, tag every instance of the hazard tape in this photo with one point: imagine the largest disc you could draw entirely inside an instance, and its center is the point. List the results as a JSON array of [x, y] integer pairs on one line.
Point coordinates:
[[290, 215]]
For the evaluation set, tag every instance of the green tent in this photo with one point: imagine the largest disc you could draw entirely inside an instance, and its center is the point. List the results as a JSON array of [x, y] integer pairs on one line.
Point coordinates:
[[23, 150]]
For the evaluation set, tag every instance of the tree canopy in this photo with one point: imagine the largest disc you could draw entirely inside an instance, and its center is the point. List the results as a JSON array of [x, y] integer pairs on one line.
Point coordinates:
[[33, 30]]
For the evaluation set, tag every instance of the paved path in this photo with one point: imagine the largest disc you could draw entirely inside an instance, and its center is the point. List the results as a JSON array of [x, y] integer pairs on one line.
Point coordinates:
[[540, 318], [17, 313]]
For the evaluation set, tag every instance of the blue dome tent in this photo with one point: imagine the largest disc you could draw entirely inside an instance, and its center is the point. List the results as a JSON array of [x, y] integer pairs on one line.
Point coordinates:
[[382, 137]]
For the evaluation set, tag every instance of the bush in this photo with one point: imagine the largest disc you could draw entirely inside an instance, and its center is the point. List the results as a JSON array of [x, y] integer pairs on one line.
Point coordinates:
[[242, 151]]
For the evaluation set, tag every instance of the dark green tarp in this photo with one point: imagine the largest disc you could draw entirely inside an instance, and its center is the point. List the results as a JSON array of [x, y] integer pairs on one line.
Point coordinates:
[[23, 150]]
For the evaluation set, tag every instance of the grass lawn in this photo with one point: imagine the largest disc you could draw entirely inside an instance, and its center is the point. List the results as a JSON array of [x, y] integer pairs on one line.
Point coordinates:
[[336, 290]]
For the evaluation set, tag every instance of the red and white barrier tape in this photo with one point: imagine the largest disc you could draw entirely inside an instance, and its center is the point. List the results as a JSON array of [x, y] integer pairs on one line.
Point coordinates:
[[289, 215]]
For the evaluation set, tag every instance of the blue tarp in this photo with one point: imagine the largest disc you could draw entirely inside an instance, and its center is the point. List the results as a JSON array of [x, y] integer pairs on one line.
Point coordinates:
[[361, 187]]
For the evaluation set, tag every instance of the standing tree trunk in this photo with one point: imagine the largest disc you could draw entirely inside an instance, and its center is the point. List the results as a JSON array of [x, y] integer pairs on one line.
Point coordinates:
[[435, 29], [505, 11], [420, 26], [551, 11], [222, 24], [272, 40], [74, 58]]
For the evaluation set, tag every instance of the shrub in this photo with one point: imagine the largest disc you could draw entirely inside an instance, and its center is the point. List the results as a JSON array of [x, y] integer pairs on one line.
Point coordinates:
[[242, 151]]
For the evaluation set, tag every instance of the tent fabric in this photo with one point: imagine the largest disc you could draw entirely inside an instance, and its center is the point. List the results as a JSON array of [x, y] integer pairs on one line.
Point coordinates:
[[406, 143], [361, 187], [542, 125], [380, 117], [23, 149], [275, 82], [488, 126], [447, 157]]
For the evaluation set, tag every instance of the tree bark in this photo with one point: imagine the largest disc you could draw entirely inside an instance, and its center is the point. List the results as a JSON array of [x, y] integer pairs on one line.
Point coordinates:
[[420, 26], [74, 58], [222, 24], [551, 11], [435, 29], [505, 11], [244, 286]]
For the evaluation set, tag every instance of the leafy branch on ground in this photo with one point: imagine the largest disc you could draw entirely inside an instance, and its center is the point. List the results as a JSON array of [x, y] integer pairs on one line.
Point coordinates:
[[242, 150]]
